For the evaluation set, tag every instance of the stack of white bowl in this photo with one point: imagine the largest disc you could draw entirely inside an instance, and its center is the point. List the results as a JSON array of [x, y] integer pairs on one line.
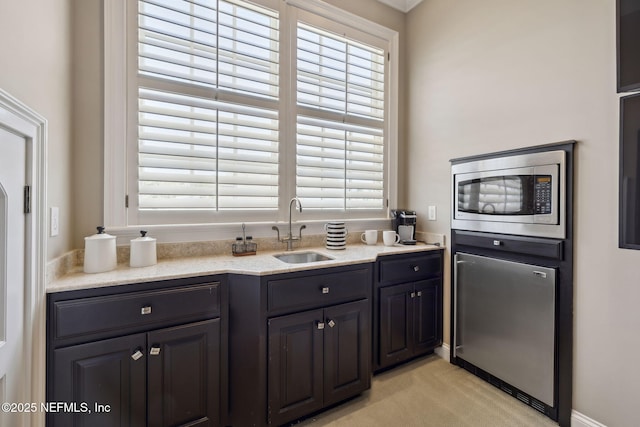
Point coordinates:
[[336, 235]]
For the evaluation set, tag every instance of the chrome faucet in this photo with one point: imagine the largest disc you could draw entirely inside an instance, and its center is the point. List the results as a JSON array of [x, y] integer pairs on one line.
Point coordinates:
[[290, 237]]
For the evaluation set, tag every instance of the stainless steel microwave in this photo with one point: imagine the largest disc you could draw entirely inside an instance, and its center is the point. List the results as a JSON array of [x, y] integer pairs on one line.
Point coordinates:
[[519, 194]]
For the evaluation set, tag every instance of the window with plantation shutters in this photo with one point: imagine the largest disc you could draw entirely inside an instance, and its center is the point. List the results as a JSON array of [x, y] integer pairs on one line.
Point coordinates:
[[221, 111], [340, 122], [208, 101]]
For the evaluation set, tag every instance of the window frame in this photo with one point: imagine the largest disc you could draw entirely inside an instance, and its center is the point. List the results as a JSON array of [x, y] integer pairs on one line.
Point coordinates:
[[120, 124]]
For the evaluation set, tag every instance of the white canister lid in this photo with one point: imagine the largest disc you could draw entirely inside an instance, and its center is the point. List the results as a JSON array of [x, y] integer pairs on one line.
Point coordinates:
[[143, 237], [100, 235], [143, 251]]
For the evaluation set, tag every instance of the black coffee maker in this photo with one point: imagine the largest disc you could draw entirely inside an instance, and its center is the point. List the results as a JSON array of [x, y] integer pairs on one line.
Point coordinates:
[[404, 223]]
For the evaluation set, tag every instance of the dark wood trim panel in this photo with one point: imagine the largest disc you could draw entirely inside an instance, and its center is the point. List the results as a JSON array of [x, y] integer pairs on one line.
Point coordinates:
[[554, 254]]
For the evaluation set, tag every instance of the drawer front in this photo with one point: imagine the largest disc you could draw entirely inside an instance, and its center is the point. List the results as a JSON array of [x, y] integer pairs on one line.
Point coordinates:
[[548, 248], [123, 313], [409, 268], [292, 294]]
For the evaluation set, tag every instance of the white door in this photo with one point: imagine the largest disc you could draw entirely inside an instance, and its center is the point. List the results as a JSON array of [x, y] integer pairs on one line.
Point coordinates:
[[12, 274]]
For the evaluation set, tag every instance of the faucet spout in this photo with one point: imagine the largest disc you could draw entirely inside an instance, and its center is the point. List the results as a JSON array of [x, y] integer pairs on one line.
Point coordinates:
[[290, 237], [299, 206]]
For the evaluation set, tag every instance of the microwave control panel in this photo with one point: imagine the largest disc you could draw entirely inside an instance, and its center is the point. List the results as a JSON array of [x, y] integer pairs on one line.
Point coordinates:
[[542, 194]]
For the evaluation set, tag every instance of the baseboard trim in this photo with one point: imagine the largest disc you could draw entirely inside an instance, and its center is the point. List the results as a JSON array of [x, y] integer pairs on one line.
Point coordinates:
[[443, 352], [581, 420]]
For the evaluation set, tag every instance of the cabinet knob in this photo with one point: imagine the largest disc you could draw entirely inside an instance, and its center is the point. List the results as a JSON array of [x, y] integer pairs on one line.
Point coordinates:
[[497, 243], [145, 310], [332, 323], [325, 289], [419, 293], [320, 325], [416, 268], [412, 294], [137, 355], [155, 350]]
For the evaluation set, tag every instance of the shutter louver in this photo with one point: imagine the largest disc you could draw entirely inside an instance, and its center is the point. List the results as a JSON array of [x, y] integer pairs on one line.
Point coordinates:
[[340, 122], [208, 126]]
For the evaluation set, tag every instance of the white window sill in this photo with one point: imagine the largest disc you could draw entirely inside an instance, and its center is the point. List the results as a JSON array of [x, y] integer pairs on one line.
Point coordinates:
[[229, 231]]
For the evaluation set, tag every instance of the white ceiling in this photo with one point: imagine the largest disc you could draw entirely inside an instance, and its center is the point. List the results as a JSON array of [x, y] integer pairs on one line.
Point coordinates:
[[402, 5]]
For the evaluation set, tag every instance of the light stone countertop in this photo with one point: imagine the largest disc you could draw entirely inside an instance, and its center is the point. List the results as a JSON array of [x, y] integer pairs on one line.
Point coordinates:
[[261, 264]]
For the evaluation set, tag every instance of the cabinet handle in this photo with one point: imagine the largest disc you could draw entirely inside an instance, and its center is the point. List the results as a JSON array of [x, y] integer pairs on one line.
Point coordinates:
[[137, 355], [320, 325], [497, 243], [155, 350], [145, 310], [332, 323], [416, 268], [325, 289]]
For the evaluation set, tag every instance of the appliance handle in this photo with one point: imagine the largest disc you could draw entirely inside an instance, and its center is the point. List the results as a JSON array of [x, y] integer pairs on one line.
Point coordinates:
[[455, 306], [455, 303]]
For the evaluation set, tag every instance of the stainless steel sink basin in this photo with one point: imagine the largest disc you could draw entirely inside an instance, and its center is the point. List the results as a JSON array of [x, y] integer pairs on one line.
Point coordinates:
[[302, 257]]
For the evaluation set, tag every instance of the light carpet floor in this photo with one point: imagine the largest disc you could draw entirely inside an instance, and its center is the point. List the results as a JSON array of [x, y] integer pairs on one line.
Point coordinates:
[[430, 392]]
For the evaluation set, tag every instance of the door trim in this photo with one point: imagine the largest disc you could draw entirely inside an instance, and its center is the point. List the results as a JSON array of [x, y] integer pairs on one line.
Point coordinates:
[[21, 120]]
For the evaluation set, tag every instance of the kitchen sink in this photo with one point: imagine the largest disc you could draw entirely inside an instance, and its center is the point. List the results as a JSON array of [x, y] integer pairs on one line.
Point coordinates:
[[302, 257]]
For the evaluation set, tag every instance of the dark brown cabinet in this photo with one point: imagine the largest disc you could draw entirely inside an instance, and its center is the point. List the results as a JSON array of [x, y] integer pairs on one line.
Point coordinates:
[[100, 373], [317, 352], [295, 365], [407, 307], [157, 376], [409, 320], [317, 358], [184, 375]]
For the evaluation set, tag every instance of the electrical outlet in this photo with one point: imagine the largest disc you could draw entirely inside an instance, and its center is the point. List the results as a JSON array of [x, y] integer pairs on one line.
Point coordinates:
[[431, 214], [55, 221]]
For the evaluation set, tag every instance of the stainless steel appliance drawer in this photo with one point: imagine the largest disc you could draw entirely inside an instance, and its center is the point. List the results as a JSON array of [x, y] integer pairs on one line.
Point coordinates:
[[505, 321]]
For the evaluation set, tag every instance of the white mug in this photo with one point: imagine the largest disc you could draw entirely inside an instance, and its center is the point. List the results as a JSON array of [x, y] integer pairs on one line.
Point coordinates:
[[390, 237], [370, 237]]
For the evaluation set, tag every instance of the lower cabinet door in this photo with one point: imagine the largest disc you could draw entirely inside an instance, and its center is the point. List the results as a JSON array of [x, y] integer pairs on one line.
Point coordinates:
[[184, 375], [102, 383], [295, 365], [347, 344], [427, 315], [396, 326]]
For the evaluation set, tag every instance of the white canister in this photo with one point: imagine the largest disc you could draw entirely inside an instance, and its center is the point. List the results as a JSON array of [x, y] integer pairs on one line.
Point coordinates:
[[100, 252], [143, 251]]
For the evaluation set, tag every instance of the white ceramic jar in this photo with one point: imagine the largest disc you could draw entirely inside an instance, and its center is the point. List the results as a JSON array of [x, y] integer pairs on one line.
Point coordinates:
[[143, 251], [336, 237], [100, 252]]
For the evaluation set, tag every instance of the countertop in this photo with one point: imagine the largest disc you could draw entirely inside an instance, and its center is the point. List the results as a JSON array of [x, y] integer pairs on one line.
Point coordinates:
[[261, 264]]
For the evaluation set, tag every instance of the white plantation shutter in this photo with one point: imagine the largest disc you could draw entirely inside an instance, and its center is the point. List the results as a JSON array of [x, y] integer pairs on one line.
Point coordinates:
[[208, 128], [202, 154], [222, 110], [340, 122]]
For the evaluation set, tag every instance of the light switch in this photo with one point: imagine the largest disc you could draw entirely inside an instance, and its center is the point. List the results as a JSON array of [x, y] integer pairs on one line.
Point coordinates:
[[55, 221], [431, 214]]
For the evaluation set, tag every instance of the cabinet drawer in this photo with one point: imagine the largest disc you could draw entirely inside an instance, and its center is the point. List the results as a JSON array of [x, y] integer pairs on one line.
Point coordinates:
[[548, 248], [123, 313], [319, 290], [409, 268]]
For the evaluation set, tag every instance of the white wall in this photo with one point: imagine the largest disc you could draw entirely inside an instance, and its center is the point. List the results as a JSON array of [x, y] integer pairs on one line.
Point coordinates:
[[36, 69], [499, 74], [87, 45]]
